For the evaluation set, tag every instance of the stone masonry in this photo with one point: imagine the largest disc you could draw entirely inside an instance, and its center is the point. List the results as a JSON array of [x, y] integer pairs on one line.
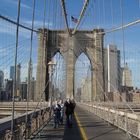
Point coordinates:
[[70, 47]]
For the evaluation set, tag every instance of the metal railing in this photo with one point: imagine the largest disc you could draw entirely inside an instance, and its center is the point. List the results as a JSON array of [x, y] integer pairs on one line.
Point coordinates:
[[129, 122], [21, 132]]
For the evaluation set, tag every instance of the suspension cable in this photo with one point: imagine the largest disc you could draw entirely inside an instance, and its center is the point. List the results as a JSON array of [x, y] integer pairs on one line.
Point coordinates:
[[14, 81], [100, 84], [112, 16], [122, 26], [65, 16], [29, 96], [17, 24], [123, 43], [44, 43], [81, 16]]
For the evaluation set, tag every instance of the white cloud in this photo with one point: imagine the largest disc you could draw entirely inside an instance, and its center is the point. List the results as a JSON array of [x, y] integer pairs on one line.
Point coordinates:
[[2, 50], [38, 23], [130, 60], [11, 30], [15, 2]]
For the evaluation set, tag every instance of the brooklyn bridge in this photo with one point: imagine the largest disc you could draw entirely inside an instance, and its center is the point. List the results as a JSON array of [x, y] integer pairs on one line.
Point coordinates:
[[83, 50]]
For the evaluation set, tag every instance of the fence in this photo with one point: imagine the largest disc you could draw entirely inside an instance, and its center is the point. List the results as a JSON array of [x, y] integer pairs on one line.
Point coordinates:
[[129, 122]]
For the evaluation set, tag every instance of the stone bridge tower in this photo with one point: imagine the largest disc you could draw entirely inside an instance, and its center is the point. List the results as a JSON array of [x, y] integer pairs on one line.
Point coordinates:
[[89, 42]]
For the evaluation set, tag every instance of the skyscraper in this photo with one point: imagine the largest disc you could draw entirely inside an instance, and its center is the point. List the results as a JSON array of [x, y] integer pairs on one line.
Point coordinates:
[[112, 68], [86, 89], [18, 80], [30, 81], [23, 90], [126, 76], [33, 86], [12, 72], [1, 80], [9, 88]]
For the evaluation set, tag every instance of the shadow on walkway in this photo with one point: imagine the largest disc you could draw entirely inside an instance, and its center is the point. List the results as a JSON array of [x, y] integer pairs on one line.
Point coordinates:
[[61, 133], [72, 133]]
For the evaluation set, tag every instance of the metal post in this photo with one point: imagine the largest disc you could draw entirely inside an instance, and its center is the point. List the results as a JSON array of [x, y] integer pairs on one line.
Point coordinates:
[[51, 65], [92, 85], [14, 81], [95, 85]]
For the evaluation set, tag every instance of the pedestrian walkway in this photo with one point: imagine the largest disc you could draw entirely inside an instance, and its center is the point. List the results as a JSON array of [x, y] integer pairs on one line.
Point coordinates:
[[61, 133], [97, 129], [85, 126]]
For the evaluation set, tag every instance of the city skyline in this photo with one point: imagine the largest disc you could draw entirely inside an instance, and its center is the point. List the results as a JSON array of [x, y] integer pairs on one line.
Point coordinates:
[[131, 34]]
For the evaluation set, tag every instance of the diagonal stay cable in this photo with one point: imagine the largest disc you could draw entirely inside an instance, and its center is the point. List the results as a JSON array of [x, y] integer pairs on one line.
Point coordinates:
[[30, 65], [121, 27], [81, 15], [14, 22], [15, 74], [65, 15]]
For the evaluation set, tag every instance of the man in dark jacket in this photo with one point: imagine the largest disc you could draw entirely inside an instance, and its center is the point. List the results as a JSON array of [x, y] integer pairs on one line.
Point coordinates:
[[69, 111]]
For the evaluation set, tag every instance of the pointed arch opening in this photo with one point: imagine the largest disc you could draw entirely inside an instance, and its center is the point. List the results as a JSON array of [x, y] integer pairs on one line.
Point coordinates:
[[82, 80], [58, 77]]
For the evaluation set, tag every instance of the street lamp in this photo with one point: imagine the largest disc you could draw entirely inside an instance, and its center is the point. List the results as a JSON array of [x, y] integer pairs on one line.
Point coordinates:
[[51, 66]]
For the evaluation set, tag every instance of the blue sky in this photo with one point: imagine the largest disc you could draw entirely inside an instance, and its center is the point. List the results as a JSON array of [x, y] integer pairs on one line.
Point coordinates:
[[99, 14]]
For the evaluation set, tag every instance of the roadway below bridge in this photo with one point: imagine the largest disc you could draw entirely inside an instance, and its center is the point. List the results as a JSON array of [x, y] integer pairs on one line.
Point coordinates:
[[86, 126], [20, 108]]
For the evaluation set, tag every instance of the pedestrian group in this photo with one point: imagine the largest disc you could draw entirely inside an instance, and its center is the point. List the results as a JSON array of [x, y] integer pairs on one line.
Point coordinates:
[[58, 112]]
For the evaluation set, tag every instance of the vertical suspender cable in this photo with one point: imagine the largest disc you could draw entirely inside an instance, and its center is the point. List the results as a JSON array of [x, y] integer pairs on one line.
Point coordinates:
[[104, 14], [49, 9], [14, 81], [94, 12], [81, 15], [122, 20], [112, 15], [65, 15], [56, 67], [99, 10], [30, 65], [44, 37], [103, 71], [43, 52], [123, 43]]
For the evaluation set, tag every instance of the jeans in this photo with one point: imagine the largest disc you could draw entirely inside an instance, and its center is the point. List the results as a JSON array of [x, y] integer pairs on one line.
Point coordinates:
[[69, 120], [56, 121]]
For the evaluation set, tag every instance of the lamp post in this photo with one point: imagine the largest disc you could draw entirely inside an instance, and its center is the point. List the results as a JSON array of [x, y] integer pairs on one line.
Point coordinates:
[[51, 66]]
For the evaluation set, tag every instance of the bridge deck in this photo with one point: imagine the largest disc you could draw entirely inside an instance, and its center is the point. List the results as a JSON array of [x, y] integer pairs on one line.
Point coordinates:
[[85, 126]]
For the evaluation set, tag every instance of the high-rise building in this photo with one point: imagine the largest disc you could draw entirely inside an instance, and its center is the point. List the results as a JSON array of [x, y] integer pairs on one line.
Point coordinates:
[[78, 94], [1, 80], [126, 76], [86, 90], [12, 72], [33, 87], [9, 88], [18, 80], [23, 90], [30, 81], [112, 68]]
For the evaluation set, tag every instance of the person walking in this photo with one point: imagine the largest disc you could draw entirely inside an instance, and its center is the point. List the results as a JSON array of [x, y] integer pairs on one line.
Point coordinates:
[[61, 111], [68, 111], [56, 114], [74, 105]]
